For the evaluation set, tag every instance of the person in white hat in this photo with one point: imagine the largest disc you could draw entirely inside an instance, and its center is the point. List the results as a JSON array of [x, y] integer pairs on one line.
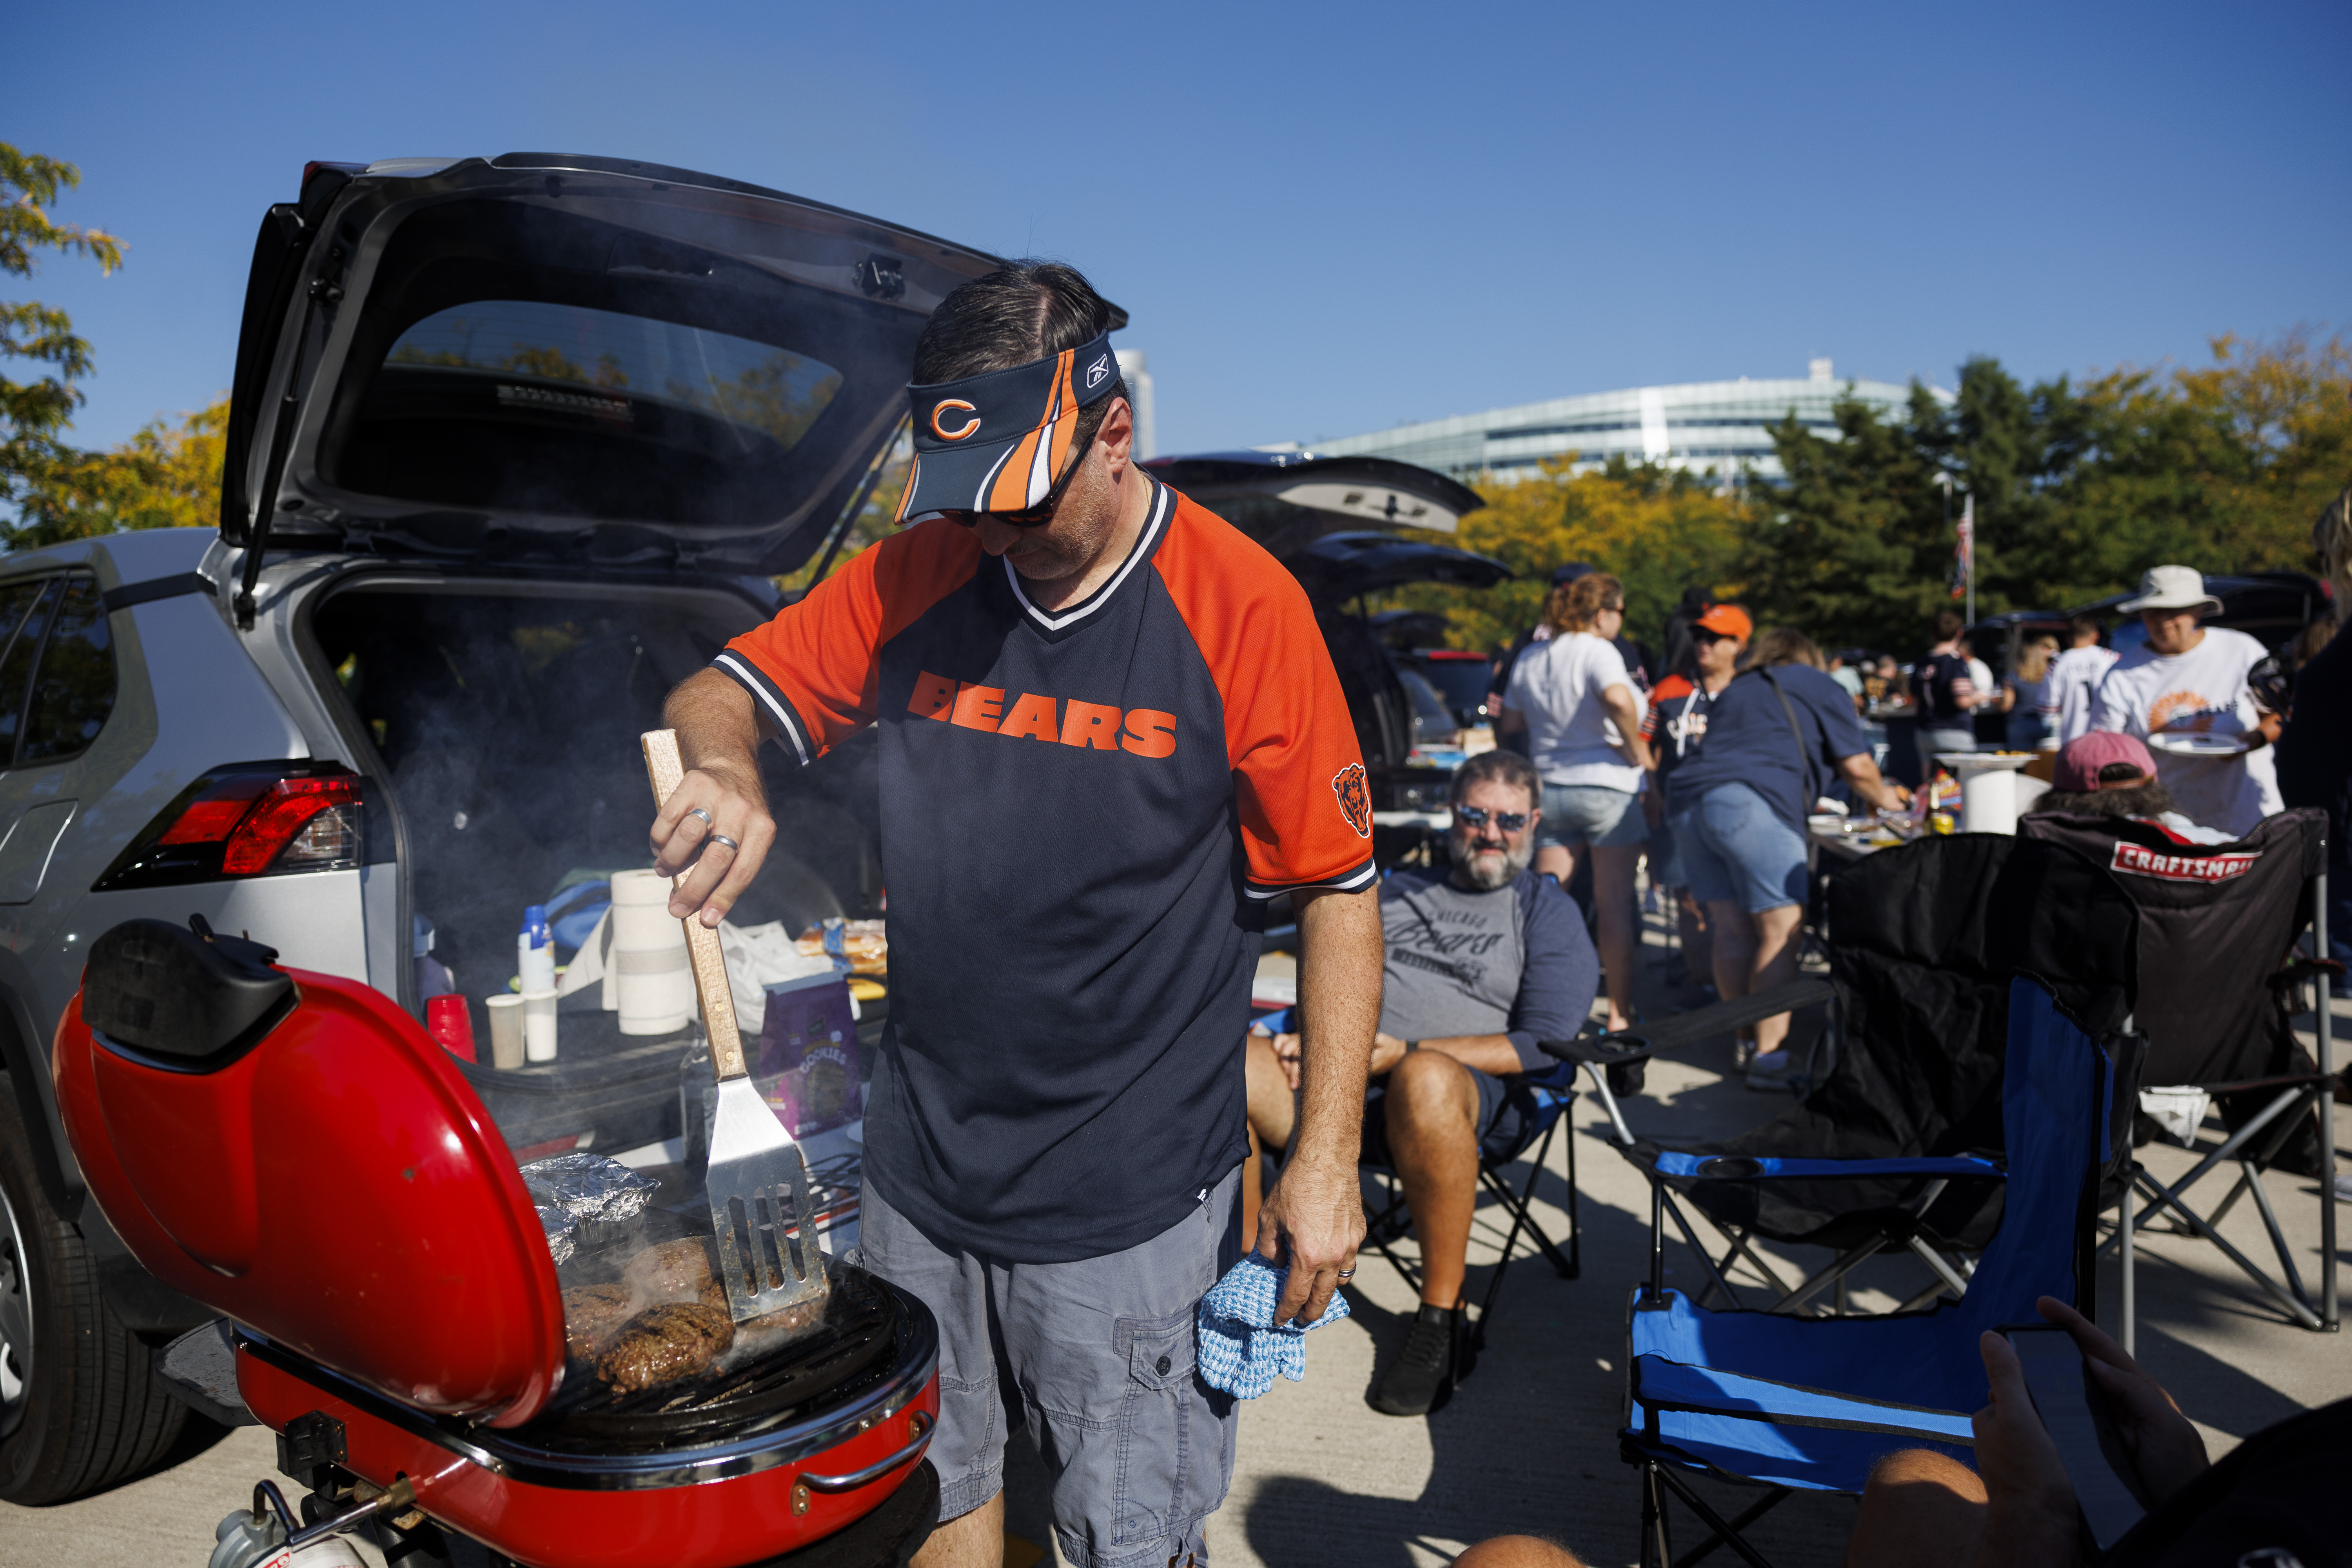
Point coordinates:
[[2184, 692]]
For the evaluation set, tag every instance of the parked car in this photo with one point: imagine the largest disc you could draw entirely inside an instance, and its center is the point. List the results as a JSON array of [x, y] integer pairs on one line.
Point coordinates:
[[515, 444]]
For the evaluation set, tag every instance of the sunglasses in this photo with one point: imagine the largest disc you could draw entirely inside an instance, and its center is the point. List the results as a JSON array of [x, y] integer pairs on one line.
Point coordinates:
[[1037, 516], [1478, 816]]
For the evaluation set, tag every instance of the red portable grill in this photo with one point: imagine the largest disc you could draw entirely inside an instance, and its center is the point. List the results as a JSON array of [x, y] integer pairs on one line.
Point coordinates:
[[294, 1151]]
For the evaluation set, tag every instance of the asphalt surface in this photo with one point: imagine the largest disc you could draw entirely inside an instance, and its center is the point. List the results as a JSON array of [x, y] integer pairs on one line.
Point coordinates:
[[1529, 1444]]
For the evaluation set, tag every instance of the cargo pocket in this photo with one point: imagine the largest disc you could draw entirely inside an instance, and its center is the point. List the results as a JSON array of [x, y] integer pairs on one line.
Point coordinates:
[[1162, 1424]]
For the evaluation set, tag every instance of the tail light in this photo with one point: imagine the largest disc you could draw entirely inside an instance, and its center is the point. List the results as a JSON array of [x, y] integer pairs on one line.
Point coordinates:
[[250, 819]]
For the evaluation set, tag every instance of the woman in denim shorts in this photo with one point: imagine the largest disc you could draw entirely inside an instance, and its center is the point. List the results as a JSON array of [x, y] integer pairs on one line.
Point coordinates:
[[1581, 713]]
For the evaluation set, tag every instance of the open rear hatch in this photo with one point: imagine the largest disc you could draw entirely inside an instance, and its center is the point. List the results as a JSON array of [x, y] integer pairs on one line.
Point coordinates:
[[585, 360]]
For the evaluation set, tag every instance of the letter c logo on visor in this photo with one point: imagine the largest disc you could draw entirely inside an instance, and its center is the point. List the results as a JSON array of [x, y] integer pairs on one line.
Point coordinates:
[[960, 431]]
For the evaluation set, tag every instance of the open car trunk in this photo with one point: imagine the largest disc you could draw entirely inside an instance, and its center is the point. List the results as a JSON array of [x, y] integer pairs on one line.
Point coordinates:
[[503, 717]]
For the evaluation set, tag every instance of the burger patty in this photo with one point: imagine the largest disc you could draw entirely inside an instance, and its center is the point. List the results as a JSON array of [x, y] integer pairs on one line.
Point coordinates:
[[664, 1343], [591, 1314], [673, 1271]]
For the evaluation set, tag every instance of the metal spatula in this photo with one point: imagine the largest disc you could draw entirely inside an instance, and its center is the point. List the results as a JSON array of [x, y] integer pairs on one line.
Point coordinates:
[[760, 1216]]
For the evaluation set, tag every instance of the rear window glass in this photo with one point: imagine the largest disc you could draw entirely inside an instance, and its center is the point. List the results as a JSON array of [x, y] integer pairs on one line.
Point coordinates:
[[542, 358], [537, 406], [73, 691], [529, 360]]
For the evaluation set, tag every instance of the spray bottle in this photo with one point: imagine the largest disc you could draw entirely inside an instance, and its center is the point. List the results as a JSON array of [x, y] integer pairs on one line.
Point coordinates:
[[535, 951]]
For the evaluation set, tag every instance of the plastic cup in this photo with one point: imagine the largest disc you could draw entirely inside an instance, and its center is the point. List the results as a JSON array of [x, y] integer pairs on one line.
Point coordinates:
[[451, 1024], [539, 1026], [506, 1030]]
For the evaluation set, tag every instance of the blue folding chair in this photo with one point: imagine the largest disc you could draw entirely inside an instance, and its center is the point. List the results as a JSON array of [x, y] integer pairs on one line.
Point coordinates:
[[1793, 1404]]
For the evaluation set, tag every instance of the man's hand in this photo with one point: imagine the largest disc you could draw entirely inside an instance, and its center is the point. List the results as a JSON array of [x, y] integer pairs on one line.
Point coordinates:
[[2030, 1512], [1884, 794], [2164, 1448], [1387, 1051], [1314, 1219], [1289, 1056], [720, 796]]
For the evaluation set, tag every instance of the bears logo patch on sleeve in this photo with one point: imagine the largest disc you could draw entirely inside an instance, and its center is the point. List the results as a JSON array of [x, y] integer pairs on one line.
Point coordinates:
[[1355, 798]]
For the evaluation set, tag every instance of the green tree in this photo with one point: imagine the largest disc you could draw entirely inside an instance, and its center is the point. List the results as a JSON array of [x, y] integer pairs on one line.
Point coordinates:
[[2078, 490], [166, 476], [33, 411], [1659, 528]]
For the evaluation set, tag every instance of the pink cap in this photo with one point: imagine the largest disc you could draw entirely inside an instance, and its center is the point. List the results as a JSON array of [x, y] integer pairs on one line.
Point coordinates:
[[2077, 772]]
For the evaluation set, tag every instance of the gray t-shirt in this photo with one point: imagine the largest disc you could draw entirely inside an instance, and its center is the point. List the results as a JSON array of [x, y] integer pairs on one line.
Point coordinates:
[[1512, 961]]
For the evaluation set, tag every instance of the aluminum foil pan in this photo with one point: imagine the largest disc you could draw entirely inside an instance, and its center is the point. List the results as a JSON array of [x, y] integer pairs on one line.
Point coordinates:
[[601, 1196], [588, 1186], [562, 1234]]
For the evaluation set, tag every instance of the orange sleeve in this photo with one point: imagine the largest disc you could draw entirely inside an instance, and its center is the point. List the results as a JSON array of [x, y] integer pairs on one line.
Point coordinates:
[[1305, 805], [1654, 715], [813, 669]]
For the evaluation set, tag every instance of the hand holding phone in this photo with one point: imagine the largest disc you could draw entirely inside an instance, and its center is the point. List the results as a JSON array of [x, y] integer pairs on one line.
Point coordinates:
[[2078, 1438]]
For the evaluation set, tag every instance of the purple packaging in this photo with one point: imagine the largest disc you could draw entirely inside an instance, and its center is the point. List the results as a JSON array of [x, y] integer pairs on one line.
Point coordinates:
[[807, 1067]]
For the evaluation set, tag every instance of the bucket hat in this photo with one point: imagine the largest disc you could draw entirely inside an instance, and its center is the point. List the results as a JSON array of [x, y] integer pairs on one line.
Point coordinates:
[[2172, 588]]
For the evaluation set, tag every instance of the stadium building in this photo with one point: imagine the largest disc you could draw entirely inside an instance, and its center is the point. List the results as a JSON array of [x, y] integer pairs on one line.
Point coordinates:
[[1723, 427]]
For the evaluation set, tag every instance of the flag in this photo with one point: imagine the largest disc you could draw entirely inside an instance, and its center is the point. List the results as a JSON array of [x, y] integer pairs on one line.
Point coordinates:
[[1964, 554]]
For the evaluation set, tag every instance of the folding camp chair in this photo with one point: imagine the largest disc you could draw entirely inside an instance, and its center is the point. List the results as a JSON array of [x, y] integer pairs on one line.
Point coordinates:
[[1789, 1404], [1553, 1093], [1923, 941], [1389, 1220], [2218, 926]]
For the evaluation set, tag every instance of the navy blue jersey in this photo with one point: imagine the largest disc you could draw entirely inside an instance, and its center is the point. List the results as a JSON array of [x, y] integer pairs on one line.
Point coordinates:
[[1082, 812], [1750, 739]]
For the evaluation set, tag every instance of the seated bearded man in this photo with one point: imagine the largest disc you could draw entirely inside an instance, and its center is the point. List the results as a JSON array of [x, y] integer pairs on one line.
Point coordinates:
[[1483, 959]]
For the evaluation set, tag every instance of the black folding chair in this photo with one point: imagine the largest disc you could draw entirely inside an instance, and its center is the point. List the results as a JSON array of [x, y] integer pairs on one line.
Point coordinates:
[[1924, 940], [2218, 928]]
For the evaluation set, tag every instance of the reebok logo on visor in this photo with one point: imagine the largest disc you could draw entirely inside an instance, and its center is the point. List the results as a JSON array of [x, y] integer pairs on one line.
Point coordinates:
[[1000, 441]]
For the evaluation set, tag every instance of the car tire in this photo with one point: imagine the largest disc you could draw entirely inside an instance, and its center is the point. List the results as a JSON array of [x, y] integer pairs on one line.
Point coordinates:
[[83, 1407]]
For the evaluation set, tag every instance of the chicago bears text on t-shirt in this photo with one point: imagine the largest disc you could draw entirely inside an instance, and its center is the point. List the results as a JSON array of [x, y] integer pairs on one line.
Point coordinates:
[[1145, 731]]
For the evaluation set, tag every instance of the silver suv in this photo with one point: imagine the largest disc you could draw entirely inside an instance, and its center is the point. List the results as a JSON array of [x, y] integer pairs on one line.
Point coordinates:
[[515, 445]]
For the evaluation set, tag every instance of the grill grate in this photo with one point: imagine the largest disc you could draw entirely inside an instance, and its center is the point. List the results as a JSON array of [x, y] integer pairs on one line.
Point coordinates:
[[854, 1345]]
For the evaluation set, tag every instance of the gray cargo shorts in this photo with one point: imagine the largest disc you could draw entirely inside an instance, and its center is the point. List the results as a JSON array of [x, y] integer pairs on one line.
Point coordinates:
[[1097, 1357]]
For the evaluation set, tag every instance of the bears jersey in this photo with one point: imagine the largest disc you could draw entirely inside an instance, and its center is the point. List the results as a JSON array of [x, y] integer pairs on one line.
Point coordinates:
[[1083, 811]]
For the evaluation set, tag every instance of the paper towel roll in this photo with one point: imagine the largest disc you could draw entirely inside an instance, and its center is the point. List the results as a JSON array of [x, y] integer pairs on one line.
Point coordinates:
[[654, 978]]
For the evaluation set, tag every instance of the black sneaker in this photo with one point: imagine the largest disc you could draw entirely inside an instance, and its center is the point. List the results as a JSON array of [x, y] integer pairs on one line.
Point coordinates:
[[1423, 1376]]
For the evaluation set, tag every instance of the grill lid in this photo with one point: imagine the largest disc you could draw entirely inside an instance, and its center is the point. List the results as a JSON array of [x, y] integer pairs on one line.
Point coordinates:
[[336, 1185]]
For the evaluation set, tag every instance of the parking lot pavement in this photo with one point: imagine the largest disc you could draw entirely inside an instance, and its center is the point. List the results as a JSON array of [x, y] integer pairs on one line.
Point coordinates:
[[1529, 1444]]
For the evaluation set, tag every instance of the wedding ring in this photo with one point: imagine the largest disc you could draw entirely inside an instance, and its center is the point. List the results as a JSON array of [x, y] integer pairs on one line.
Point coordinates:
[[722, 839], [1347, 1274], [698, 811]]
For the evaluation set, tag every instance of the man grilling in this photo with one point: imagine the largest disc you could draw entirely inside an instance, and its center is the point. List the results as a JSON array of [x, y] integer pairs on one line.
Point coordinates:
[[1110, 733]]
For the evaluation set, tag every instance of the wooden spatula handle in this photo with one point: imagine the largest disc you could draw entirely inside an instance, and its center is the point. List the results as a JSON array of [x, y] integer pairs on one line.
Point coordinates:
[[665, 769]]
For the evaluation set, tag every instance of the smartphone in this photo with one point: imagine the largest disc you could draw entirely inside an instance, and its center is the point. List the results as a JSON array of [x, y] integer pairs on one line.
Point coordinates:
[[2073, 1412]]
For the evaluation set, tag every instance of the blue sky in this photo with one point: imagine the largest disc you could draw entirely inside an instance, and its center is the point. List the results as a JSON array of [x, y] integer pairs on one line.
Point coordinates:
[[1324, 219]]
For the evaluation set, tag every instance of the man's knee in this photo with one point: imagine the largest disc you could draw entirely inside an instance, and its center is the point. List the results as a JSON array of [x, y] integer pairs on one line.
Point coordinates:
[[1429, 1094], [1518, 1552], [1924, 1467]]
